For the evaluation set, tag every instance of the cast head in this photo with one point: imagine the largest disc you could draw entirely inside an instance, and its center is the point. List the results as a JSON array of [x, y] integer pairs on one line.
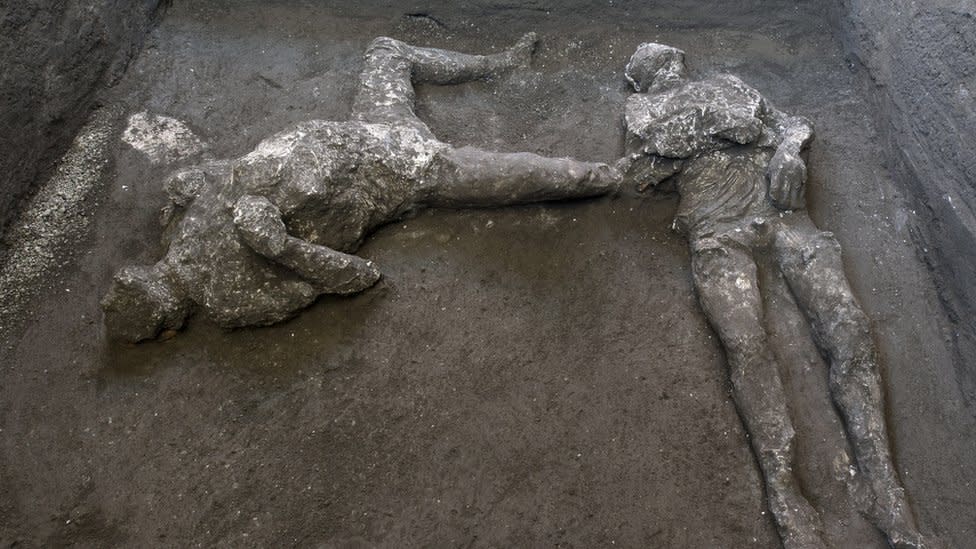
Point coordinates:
[[655, 67], [141, 303], [183, 185]]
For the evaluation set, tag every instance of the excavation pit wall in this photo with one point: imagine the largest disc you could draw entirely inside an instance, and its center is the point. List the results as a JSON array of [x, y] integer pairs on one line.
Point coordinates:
[[526, 375], [56, 56]]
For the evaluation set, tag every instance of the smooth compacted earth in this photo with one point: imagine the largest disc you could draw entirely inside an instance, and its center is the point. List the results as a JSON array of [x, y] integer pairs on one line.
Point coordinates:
[[525, 376]]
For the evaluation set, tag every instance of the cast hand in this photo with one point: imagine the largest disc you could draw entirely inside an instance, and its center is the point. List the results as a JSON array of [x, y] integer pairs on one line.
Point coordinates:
[[363, 274], [787, 174]]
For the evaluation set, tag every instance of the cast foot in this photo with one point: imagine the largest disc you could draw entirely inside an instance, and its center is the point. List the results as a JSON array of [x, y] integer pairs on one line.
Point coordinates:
[[890, 512], [902, 533], [797, 521], [908, 540], [521, 53]]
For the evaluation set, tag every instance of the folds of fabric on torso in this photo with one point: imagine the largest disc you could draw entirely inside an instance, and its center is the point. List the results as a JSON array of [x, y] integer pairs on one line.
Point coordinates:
[[723, 187]]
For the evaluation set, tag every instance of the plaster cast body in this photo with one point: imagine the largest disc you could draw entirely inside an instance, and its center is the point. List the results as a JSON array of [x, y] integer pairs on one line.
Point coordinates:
[[253, 240], [735, 160]]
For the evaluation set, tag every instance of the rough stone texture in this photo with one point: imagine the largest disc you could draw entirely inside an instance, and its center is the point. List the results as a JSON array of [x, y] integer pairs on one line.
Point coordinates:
[[55, 54], [921, 57]]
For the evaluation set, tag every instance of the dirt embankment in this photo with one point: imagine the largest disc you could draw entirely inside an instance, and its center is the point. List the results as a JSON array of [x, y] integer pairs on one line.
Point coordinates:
[[921, 57], [56, 54]]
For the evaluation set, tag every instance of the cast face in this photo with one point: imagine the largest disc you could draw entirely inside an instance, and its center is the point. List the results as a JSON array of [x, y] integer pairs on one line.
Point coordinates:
[[139, 303], [655, 66]]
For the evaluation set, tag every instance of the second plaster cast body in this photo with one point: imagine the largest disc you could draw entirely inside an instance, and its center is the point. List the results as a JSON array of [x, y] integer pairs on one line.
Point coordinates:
[[735, 161]]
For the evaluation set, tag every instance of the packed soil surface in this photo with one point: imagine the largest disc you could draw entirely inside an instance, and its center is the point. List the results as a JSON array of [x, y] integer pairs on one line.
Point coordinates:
[[521, 377]]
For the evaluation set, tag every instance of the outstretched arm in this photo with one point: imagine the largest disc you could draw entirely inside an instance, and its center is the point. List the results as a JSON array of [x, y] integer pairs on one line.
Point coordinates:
[[259, 223], [471, 177], [787, 172]]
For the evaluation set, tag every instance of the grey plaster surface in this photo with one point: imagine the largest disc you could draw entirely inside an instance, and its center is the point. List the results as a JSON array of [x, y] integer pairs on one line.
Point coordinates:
[[535, 375]]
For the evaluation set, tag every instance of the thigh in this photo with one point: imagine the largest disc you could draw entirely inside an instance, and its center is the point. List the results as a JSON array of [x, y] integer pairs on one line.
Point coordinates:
[[811, 263], [725, 279], [386, 94], [726, 282]]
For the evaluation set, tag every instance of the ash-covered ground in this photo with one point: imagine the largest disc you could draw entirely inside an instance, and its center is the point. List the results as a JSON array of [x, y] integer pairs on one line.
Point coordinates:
[[526, 376]]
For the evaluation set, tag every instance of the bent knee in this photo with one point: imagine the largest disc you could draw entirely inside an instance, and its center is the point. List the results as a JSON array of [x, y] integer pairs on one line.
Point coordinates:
[[384, 43], [748, 354], [800, 248], [845, 329]]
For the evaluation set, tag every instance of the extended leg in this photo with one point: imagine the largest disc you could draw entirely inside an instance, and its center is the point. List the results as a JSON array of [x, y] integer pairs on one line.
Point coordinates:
[[438, 66], [811, 262], [725, 279], [386, 93], [470, 177]]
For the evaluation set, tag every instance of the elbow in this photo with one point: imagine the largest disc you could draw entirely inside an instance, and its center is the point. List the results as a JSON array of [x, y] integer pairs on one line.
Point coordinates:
[[259, 224]]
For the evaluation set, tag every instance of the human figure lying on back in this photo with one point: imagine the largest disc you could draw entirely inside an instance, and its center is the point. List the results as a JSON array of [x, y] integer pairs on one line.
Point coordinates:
[[253, 240], [735, 161]]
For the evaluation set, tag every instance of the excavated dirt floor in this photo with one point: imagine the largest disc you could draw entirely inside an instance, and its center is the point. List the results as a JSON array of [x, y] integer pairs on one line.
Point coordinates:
[[522, 377]]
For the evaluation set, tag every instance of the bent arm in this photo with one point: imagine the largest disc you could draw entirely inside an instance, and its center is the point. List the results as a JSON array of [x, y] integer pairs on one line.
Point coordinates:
[[259, 223], [787, 172], [647, 171], [644, 169], [783, 130]]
